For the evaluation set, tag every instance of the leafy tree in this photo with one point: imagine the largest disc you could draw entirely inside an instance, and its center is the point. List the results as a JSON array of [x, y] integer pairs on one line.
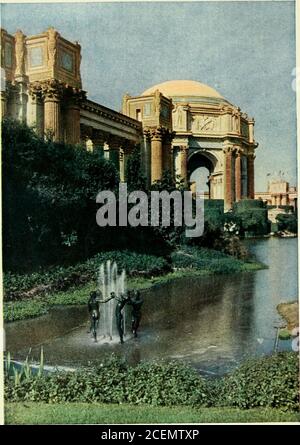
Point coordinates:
[[287, 221], [136, 180], [49, 192]]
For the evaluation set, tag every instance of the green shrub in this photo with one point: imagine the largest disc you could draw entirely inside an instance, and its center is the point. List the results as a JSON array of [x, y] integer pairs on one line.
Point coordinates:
[[205, 259], [20, 309], [287, 221], [252, 215], [271, 381], [62, 278], [114, 382], [265, 382]]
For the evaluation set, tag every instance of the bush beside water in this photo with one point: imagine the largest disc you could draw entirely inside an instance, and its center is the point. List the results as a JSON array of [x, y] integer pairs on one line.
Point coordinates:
[[265, 382], [62, 278]]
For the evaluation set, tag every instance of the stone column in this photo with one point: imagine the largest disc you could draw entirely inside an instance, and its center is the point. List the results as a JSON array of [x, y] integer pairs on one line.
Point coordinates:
[[228, 195], [114, 143], [251, 130], [73, 120], [21, 99], [156, 155], [122, 165], [99, 138], [238, 177], [250, 175], [167, 152], [146, 155], [35, 109], [184, 149], [21, 80], [278, 200], [52, 96], [12, 101], [4, 97]]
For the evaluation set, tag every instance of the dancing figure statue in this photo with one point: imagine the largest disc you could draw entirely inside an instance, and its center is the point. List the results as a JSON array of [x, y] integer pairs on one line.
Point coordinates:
[[136, 314], [121, 302], [94, 311]]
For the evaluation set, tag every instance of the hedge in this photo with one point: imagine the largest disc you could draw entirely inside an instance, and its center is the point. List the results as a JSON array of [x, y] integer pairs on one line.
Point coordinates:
[[270, 381]]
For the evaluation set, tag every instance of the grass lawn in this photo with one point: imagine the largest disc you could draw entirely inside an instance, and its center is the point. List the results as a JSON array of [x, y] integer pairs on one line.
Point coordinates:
[[83, 413]]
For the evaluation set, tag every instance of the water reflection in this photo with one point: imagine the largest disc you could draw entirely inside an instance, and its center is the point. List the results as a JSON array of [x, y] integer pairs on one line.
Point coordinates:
[[210, 322]]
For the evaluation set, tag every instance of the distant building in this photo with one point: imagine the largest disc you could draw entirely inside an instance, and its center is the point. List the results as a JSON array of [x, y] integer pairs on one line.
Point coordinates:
[[279, 196]]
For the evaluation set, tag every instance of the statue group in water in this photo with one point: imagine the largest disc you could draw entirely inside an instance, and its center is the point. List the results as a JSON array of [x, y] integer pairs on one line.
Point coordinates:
[[131, 298]]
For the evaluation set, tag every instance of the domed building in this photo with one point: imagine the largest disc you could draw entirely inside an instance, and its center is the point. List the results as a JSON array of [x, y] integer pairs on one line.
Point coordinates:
[[189, 125], [183, 126]]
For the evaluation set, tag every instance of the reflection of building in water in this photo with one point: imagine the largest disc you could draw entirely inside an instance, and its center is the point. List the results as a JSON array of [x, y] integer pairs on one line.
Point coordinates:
[[279, 195], [181, 125]]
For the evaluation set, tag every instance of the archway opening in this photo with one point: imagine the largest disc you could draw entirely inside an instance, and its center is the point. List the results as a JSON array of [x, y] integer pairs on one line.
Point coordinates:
[[200, 181], [200, 168]]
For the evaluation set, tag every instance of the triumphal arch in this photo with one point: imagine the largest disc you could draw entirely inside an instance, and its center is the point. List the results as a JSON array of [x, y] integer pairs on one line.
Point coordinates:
[[179, 125]]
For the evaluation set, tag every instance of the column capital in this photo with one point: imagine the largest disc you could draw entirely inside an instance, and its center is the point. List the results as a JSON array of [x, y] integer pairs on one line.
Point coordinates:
[[35, 90], [228, 149], [251, 156], [169, 135], [52, 89], [238, 151], [157, 133], [74, 96]]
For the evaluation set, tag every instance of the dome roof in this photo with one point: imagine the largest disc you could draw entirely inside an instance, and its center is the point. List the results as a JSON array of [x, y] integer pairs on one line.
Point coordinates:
[[189, 88]]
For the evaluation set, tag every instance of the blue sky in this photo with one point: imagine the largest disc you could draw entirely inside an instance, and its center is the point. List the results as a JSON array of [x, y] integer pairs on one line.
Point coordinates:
[[246, 50]]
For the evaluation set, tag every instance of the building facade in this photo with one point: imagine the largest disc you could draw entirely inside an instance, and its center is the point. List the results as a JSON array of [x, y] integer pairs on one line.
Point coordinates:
[[180, 125], [279, 197], [205, 130]]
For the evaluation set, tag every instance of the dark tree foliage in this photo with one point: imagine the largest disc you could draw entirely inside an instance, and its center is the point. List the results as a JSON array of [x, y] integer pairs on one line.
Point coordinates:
[[136, 179], [287, 221], [49, 203], [49, 192]]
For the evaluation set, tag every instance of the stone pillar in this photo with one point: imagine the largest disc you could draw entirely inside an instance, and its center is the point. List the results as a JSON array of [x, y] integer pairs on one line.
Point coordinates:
[[251, 130], [52, 96], [72, 122], [12, 101], [146, 156], [273, 200], [250, 175], [167, 152], [228, 195], [3, 104], [278, 200], [122, 165], [284, 200], [21, 80], [35, 110], [156, 155], [114, 143], [238, 176], [99, 138], [184, 149]]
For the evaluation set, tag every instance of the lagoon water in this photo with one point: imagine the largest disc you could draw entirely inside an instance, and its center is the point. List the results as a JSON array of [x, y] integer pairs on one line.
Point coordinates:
[[212, 323]]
